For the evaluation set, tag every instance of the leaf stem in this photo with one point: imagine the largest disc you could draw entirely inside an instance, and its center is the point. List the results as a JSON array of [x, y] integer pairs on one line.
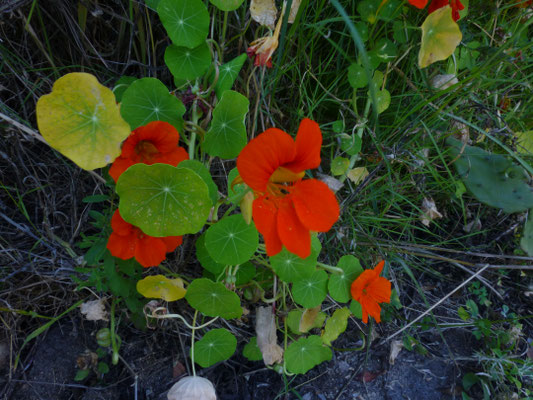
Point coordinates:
[[330, 268], [192, 343], [192, 140]]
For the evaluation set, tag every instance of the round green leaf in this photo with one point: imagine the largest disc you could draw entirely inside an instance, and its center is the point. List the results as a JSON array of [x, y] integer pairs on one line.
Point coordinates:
[[310, 292], [213, 299], [400, 32], [81, 120], [251, 351], [351, 144], [204, 173], [440, 36], [373, 59], [386, 50], [227, 5], [147, 100], [227, 135], [339, 285], [356, 309], [291, 268], [389, 10], [205, 259], [163, 200], [357, 76], [368, 10], [306, 353], [216, 345], [339, 165], [231, 240], [161, 287], [383, 100], [245, 273], [235, 192], [187, 64], [227, 74], [186, 22]]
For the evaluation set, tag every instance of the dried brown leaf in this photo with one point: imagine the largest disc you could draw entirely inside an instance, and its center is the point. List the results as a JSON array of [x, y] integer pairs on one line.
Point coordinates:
[[265, 328]]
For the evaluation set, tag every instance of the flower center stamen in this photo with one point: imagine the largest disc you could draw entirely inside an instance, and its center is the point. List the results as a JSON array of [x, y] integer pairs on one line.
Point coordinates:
[[146, 150]]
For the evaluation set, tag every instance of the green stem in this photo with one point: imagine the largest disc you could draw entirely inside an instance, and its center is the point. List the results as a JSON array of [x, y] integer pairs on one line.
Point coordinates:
[[330, 268], [356, 157], [192, 140], [192, 342], [224, 28], [114, 358]]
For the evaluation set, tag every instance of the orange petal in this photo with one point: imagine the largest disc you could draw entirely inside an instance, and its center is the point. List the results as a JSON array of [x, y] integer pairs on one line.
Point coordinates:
[[372, 307], [380, 290], [378, 268], [263, 155], [308, 143], [161, 134], [418, 3], [150, 251], [119, 166], [171, 242], [294, 236], [360, 283], [173, 158], [119, 226], [122, 247], [264, 213], [315, 204], [365, 316]]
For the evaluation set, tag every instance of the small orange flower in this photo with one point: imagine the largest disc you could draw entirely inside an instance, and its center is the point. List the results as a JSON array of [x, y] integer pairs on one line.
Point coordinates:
[[286, 208], [418, 3], [455, 4], [436, 4], [155, 142], [128, 241], [370, 289]]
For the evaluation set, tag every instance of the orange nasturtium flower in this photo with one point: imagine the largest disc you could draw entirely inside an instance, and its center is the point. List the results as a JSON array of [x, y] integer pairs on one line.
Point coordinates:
[[286, 208], [155, 142], [370, 289], [436, 4], [128, 241]]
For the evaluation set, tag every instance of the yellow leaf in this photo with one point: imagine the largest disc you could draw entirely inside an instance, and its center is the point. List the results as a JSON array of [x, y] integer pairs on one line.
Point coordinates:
[[525, 142], [356, 175], [264, 12], [440, 36], [161, 287], [308, 318], [81, 120]]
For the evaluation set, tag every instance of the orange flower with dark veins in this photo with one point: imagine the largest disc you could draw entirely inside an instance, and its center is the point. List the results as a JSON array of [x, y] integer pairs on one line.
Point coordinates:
[[436, 4], [128, 241], [370, 289], [155, 142], [286, 208], [418, 3], [455, 4]]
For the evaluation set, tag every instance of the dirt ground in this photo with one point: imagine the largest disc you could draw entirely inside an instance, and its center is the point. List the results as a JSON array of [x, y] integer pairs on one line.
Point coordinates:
[[152, 363]]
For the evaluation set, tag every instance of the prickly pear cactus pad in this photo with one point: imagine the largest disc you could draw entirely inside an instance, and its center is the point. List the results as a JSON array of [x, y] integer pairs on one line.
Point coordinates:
[[492, 178]]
